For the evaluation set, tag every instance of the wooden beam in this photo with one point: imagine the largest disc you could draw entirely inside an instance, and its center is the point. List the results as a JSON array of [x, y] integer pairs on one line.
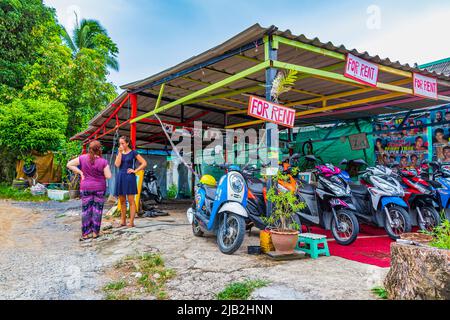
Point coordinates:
[[333, 54], [210, 88]]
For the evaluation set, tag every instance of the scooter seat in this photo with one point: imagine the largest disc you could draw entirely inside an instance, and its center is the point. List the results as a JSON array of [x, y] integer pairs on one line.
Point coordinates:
[[359, 189], [255, 185], [210, 192]]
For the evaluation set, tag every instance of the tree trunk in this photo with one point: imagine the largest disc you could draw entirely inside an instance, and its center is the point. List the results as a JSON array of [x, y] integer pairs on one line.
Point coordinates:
[[418, 272]]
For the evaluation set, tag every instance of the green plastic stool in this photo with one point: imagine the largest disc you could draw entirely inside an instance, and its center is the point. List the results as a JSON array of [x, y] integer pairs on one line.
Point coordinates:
[[311, 243]]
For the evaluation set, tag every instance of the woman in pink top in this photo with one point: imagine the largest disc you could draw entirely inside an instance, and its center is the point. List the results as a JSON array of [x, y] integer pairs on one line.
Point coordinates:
[[94, 172]]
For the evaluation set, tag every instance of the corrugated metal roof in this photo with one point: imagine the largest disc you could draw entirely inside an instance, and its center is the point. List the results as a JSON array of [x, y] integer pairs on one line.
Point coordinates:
[[223, 68], [439, 67]]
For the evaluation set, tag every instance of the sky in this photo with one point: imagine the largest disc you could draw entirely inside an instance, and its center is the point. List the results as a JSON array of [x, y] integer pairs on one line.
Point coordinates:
[[153, 35]]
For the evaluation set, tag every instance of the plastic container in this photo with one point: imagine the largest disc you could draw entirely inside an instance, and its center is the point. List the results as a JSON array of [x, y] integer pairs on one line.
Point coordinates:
[[58, 195]]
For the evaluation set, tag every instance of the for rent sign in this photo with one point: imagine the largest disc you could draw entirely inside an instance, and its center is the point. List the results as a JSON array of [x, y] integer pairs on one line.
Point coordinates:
[[271, 112], [361, 70], [425, 87]]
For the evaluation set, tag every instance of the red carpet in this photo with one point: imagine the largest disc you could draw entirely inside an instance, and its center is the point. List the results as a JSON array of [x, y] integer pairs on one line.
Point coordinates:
[[371, 247]]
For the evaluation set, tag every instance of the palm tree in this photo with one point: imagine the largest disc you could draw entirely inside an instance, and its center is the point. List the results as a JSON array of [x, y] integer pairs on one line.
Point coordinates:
[[92, 35]]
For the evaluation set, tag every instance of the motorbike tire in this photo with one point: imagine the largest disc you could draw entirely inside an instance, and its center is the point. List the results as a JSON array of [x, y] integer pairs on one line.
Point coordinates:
[[239, 221], [406, 220], [355, 230], [433, 219], [196, 230], [158, 198]]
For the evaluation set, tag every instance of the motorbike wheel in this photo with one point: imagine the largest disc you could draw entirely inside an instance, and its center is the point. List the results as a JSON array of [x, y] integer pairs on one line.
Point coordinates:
[[231, 238], [431, 217], [346, 229], [158, 198], [196, 230], [401, 220]]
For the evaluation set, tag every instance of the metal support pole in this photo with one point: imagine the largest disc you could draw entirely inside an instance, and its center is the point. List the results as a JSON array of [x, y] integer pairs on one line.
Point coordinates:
[[133, 101], [271, 128]]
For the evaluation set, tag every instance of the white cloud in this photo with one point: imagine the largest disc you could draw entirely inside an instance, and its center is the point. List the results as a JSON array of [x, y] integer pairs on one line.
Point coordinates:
[[421, 38]]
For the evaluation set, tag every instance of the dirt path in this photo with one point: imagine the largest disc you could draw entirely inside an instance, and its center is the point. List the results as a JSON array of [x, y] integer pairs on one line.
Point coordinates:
[[43, 259]]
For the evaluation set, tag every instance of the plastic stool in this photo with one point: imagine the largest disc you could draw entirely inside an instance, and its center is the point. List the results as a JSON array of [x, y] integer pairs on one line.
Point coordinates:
[[311, 243]]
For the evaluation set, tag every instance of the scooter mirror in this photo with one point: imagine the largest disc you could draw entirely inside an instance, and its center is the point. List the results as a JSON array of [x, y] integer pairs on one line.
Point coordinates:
[[343, 162], [155, 166]]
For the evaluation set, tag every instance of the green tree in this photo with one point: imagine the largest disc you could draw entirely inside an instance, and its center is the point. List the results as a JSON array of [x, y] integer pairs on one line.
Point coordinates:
[[24, 26], [27, 125], [91, 34]]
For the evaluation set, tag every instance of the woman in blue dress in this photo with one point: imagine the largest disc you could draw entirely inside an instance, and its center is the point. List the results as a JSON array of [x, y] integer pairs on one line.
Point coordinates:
[[126, 185]]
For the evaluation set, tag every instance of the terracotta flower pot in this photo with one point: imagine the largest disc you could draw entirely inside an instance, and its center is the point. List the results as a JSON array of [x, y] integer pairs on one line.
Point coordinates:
[[284, 241]]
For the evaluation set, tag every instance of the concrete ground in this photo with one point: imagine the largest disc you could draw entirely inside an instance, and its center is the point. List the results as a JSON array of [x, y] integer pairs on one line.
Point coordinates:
[[43, 259]]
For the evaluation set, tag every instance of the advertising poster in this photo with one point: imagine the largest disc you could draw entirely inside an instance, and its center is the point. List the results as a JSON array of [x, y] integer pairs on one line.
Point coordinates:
[[406, 146], [441, 134]]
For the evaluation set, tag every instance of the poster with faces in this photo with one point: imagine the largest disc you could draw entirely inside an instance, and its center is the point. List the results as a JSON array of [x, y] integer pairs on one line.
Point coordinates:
[[403, 142], [441, 134]]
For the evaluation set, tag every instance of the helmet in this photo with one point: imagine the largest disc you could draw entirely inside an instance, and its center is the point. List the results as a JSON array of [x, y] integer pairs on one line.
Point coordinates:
[[208, 180]]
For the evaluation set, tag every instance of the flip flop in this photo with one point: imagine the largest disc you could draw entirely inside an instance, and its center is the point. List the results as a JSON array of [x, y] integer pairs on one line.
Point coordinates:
[[84, 239]]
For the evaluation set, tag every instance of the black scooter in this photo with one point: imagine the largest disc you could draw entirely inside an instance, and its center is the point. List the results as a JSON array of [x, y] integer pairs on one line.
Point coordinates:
[[150, 187]]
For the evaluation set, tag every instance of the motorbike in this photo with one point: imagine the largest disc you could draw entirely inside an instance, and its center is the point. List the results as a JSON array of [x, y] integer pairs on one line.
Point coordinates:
[[150, 187], [441, 177], [422, 198], [327, 202], [220, 209], [257, 198], [379, 199]]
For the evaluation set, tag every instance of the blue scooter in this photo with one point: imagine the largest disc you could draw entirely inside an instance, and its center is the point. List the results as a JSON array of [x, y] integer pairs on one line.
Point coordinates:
[[221, 210], [441, 176], [378, 199]]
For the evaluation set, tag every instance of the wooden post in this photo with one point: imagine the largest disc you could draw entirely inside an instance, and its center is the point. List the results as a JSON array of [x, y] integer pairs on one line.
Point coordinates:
[[271, 54], [133, 101]]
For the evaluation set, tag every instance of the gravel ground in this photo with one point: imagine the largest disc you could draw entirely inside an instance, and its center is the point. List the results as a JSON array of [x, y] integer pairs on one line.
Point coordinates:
[[43, 259], [41, 256]]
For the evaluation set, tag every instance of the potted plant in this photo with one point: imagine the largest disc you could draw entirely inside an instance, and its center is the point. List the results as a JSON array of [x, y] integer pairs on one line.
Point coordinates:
[[283, 228]]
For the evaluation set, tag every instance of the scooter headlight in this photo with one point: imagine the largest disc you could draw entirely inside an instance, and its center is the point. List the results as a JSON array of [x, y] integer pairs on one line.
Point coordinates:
[[339, 190], [237, 183]]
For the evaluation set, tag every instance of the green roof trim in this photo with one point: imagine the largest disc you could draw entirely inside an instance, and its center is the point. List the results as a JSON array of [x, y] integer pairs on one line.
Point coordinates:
[[426, 65]]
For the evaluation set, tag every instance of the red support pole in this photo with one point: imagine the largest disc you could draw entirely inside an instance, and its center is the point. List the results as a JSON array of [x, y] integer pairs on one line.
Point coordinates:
[[84, 148], [133, 101]]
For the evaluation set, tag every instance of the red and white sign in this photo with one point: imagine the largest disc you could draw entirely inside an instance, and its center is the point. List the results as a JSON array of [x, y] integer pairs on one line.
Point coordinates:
[[361, 70], [425, 87], [271, 112]]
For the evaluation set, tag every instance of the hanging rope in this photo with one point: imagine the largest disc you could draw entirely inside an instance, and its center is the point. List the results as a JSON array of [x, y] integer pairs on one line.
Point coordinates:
[[174, 148], [115, 139]]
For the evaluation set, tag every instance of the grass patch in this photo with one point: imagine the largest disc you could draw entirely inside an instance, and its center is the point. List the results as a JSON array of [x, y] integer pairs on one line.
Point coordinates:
[[145, 275], [118, 285], [241, 290], [9, 192], [380, 292]]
